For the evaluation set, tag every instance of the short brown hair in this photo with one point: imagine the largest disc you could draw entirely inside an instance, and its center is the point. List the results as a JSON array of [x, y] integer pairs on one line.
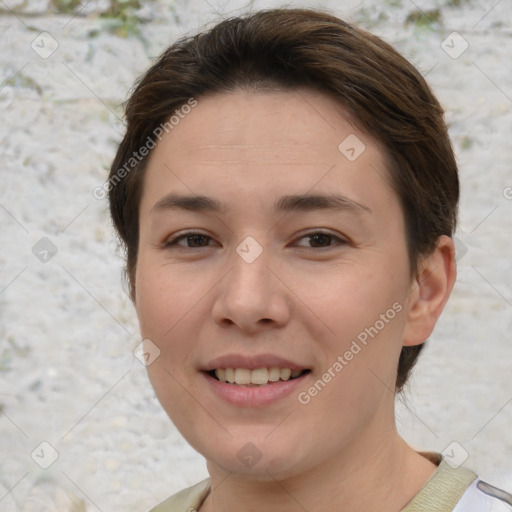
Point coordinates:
[[290, 48]]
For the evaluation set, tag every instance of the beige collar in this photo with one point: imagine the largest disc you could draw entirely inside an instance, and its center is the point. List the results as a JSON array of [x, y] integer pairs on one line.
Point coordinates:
[[441, 493], [444, 488]]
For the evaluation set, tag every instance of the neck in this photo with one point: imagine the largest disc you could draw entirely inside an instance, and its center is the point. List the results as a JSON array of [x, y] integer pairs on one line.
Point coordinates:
[[382, 477]]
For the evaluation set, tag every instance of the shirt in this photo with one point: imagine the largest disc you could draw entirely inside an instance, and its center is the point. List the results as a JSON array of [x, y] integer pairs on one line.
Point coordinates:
[[449, 489]]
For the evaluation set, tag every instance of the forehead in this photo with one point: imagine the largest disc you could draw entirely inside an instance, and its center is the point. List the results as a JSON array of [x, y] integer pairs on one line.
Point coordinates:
[[262, 144], [283, 123]]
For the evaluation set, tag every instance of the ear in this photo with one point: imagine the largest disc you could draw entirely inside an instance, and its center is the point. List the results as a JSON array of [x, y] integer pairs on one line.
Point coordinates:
[[430, 291]]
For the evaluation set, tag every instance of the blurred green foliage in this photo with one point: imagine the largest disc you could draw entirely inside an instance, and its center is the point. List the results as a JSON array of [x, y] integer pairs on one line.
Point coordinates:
[[65, 6], [120, 17], [23, 81], [424, 19], [457, 3]]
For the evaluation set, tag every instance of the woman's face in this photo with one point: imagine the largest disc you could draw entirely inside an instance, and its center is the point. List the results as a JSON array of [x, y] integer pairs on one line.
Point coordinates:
[[297, 260]]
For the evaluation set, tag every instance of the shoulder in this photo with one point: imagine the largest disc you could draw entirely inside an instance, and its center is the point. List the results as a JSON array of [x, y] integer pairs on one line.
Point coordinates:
[[458, 489], [483, 497], [187, 500]]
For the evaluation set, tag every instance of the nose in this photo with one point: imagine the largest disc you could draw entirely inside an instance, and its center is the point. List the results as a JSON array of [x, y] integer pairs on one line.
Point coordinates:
[[252, 295]]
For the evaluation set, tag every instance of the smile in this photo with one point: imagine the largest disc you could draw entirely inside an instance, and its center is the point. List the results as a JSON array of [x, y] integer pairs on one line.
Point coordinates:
[[256, 377]]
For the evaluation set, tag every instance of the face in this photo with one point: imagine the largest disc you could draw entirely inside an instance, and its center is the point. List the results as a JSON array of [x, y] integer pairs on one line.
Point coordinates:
[[292, 278]]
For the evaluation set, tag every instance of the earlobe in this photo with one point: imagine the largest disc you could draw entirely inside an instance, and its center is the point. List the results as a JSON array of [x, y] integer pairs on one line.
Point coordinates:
[[430, 292]]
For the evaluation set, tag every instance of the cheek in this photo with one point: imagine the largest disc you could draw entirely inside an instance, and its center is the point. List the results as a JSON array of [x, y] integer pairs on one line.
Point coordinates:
[[162, 298], [365, 312], [355, 300], [152, 303], [172, 308], [164, 312]]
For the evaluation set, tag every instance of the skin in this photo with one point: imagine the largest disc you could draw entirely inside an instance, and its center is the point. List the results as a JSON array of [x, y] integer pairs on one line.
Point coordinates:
[[297, 300]]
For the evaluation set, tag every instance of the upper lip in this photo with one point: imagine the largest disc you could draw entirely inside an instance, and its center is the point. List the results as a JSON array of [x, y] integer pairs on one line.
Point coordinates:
[[252, 362]]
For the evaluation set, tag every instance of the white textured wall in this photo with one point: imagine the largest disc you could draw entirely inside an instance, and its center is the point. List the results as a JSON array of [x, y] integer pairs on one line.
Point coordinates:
[[67, 373]]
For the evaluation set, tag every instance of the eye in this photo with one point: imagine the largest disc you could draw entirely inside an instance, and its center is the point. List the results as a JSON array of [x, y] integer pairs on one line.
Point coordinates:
[[320, 239], [192, 240]]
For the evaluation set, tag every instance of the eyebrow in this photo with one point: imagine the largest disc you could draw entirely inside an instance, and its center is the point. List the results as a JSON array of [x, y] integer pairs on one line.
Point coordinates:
[[289, 203]]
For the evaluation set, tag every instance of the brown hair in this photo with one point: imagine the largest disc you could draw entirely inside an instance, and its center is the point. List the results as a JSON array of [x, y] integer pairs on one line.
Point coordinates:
[[289, 48]]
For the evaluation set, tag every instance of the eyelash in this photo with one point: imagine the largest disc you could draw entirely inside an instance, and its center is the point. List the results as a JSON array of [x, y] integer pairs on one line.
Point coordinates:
[[173, 242]]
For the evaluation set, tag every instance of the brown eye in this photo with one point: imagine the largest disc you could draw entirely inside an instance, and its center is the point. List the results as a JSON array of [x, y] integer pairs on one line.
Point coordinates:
[[192, 240], [322, 240]]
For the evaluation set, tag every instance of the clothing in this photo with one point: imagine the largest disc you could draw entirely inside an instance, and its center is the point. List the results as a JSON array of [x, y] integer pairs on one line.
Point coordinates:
[[447, 490]]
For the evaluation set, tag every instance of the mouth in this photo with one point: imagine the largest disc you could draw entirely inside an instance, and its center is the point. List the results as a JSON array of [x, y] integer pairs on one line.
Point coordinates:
[[255, 378]]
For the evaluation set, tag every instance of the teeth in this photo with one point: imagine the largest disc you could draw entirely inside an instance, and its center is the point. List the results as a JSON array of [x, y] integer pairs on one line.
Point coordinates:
[[230, 375], [274, 374], [285, 373], [242, 376], [260, 376]]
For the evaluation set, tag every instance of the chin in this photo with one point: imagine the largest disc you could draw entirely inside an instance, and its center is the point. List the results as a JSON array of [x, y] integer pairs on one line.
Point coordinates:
[[257, 461]]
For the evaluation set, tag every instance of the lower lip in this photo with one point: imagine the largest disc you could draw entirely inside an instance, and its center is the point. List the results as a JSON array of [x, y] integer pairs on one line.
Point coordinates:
[[254, 396]]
